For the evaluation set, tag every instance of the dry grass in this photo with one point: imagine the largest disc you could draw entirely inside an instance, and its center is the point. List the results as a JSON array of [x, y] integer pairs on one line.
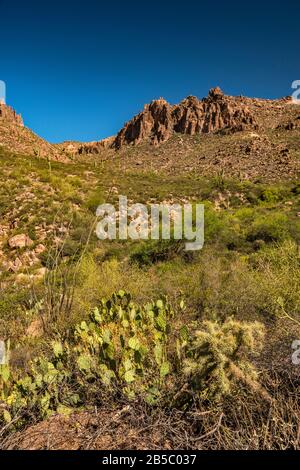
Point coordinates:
[[242, 422]]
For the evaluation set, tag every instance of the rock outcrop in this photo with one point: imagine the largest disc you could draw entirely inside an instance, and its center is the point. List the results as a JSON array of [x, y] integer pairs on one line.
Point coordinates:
[[159, 120], [155, 122], [20, 241], [17, 138], [9, 114], [95, 147], [71, 149]]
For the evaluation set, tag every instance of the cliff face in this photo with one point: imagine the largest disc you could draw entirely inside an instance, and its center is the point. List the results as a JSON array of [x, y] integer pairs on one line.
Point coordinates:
[[155, 122], [159, 120]]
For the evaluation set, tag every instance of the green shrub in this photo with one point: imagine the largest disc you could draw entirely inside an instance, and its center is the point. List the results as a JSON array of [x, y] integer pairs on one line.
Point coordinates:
[[213, 223], [296, 189], [269, 228], [157, 251], [272, 195], [94, 200], [276, 275]]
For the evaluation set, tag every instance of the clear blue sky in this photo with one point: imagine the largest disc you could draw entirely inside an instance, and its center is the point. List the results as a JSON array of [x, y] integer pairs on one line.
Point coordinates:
[[77, 70]]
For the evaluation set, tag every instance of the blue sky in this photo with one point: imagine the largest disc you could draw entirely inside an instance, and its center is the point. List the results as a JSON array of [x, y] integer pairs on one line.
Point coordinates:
[[77, 70]]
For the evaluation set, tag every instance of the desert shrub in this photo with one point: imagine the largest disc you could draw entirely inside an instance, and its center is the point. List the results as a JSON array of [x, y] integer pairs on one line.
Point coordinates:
[[296, 189], [83, 225], [272, 194], [252, 287], [269, 228], [168, 278], [218, 181], [94, 200], [276, 270], [14, 301], [63, 186], [96, 281], [101, 279], [157, 251], [294, 229], [213, 224], [231, 236], [70, 248], [128, 349], [246, 215], [252, 197], [53, 256], [4, 204], [216, 358]]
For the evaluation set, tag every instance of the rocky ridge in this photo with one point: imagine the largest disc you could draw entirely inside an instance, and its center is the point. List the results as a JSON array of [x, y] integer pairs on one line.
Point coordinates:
[[7, 113], [17, 138], [159, 120]]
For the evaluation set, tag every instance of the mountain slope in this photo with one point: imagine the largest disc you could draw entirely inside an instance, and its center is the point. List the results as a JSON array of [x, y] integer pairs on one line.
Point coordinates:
[[14, 136], [240, 137]]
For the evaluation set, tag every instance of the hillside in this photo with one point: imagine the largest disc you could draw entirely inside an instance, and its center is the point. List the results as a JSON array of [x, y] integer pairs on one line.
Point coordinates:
[[238, 137], [14, 136], [118, 344]]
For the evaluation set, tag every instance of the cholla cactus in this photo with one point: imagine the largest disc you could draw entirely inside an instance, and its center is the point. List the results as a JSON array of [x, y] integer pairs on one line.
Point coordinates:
[[217, 357]]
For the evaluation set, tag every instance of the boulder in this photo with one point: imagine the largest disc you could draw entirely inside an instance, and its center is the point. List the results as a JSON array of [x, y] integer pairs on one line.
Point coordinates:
[[20, 241]]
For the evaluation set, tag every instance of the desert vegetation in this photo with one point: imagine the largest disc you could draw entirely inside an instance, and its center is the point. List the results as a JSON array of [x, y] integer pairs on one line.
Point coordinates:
[[190, 350]]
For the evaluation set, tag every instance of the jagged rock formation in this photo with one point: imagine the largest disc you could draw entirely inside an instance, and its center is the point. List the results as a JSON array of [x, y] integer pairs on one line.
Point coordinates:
[[159, 120], [155, 122], [9, 114], [71, 149], [95, 147]]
